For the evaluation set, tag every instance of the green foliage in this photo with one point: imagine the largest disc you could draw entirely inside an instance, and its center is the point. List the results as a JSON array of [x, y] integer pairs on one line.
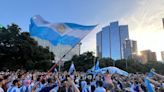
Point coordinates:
[[86, 60], [19, 50], [82, 62]]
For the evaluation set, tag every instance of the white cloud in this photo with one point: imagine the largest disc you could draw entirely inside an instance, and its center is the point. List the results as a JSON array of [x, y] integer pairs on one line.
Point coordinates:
[[145, 25]]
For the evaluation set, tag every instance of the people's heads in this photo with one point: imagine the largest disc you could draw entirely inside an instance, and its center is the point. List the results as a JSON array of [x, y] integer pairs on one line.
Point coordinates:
[[43, 81], [6, 78], [135, 82], [20, 76], [99, 83], [92, 88], [107, 71], [17, 83], [88, 81], [27, 82], [2, 82], [141, 80], [64, 83], [62, 89], [49, 80]]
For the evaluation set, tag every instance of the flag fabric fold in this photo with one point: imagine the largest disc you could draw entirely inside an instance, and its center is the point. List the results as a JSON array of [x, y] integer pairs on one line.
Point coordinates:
[[58, 33], [148, 85], [97, 66], [147, 82]]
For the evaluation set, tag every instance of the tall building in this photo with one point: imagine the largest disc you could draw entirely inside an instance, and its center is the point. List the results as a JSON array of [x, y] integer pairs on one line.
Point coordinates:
[[110, 40], [129, 49], [99, 44], [162, 55], [148, 56]]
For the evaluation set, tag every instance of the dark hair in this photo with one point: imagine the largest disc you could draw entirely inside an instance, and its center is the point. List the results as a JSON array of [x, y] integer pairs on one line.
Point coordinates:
[[66, 77], [49, 80], [43, 81], [5, 77], [20, 75], [88, 81], [1, 79], [107, 71], [92, 88], [38, 79], [62, 89], [136, 82], [15, 81], [99, 83]]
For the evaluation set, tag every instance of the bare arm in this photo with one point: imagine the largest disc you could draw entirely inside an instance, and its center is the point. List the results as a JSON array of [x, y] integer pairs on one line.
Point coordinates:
[[58, 80], [73, 85], [154, 82], [158, 75]]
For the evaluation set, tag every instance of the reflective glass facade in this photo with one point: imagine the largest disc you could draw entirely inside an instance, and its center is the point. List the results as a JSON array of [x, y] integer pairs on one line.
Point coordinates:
[[105, 42], [99, 43], [129, 48], [110, 43], [115, 40], [124, 34], [162, 55]]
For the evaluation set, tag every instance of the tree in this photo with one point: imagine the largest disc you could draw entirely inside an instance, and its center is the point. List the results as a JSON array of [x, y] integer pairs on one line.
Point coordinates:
[[86, 60], [82, 62], [19, 50]]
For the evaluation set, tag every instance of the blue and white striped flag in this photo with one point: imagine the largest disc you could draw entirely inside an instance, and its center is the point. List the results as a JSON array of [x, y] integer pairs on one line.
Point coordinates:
[[55, 70], [97, 66], [58, 33], [148, 85], [72, 68]]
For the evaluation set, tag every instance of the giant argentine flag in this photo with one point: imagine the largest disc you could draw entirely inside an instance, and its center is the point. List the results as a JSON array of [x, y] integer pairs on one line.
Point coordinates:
[[58, 33]]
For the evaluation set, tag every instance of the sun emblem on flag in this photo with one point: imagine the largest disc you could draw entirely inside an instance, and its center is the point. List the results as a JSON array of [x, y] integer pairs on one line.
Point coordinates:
[[61, 28]]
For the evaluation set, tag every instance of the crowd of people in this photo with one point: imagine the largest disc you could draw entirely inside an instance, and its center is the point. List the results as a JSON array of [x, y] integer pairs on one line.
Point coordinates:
[[23, 81]]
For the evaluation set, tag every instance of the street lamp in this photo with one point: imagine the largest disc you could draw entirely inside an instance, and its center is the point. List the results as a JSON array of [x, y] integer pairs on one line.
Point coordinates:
[[94, 54], [79, 45]]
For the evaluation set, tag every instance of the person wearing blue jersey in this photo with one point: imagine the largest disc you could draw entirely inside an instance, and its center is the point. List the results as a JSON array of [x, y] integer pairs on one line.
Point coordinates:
[[26, 86], [15, 86]]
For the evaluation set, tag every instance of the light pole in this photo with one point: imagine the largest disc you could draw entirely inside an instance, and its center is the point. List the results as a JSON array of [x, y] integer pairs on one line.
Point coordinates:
[[94, 61], [79, 47]]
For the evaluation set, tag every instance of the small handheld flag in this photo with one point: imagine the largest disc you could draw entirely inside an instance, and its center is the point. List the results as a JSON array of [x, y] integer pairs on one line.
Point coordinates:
[[71, 69]]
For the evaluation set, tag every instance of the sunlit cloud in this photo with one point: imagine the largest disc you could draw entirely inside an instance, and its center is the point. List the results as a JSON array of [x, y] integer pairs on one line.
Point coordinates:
[[145, 25]]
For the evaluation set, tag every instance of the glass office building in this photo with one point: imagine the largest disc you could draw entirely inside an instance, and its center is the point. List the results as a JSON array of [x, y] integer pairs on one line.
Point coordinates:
[[110, 41], [129, 48], [162, 55], [124, 34], [105, 42], [99, 43]]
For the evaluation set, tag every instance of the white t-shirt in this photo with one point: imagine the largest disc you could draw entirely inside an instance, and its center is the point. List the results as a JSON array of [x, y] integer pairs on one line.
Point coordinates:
[[100, 89], [1, 90]]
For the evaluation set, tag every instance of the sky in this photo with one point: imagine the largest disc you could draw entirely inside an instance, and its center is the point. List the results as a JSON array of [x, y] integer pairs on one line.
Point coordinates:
[[144, 17]]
